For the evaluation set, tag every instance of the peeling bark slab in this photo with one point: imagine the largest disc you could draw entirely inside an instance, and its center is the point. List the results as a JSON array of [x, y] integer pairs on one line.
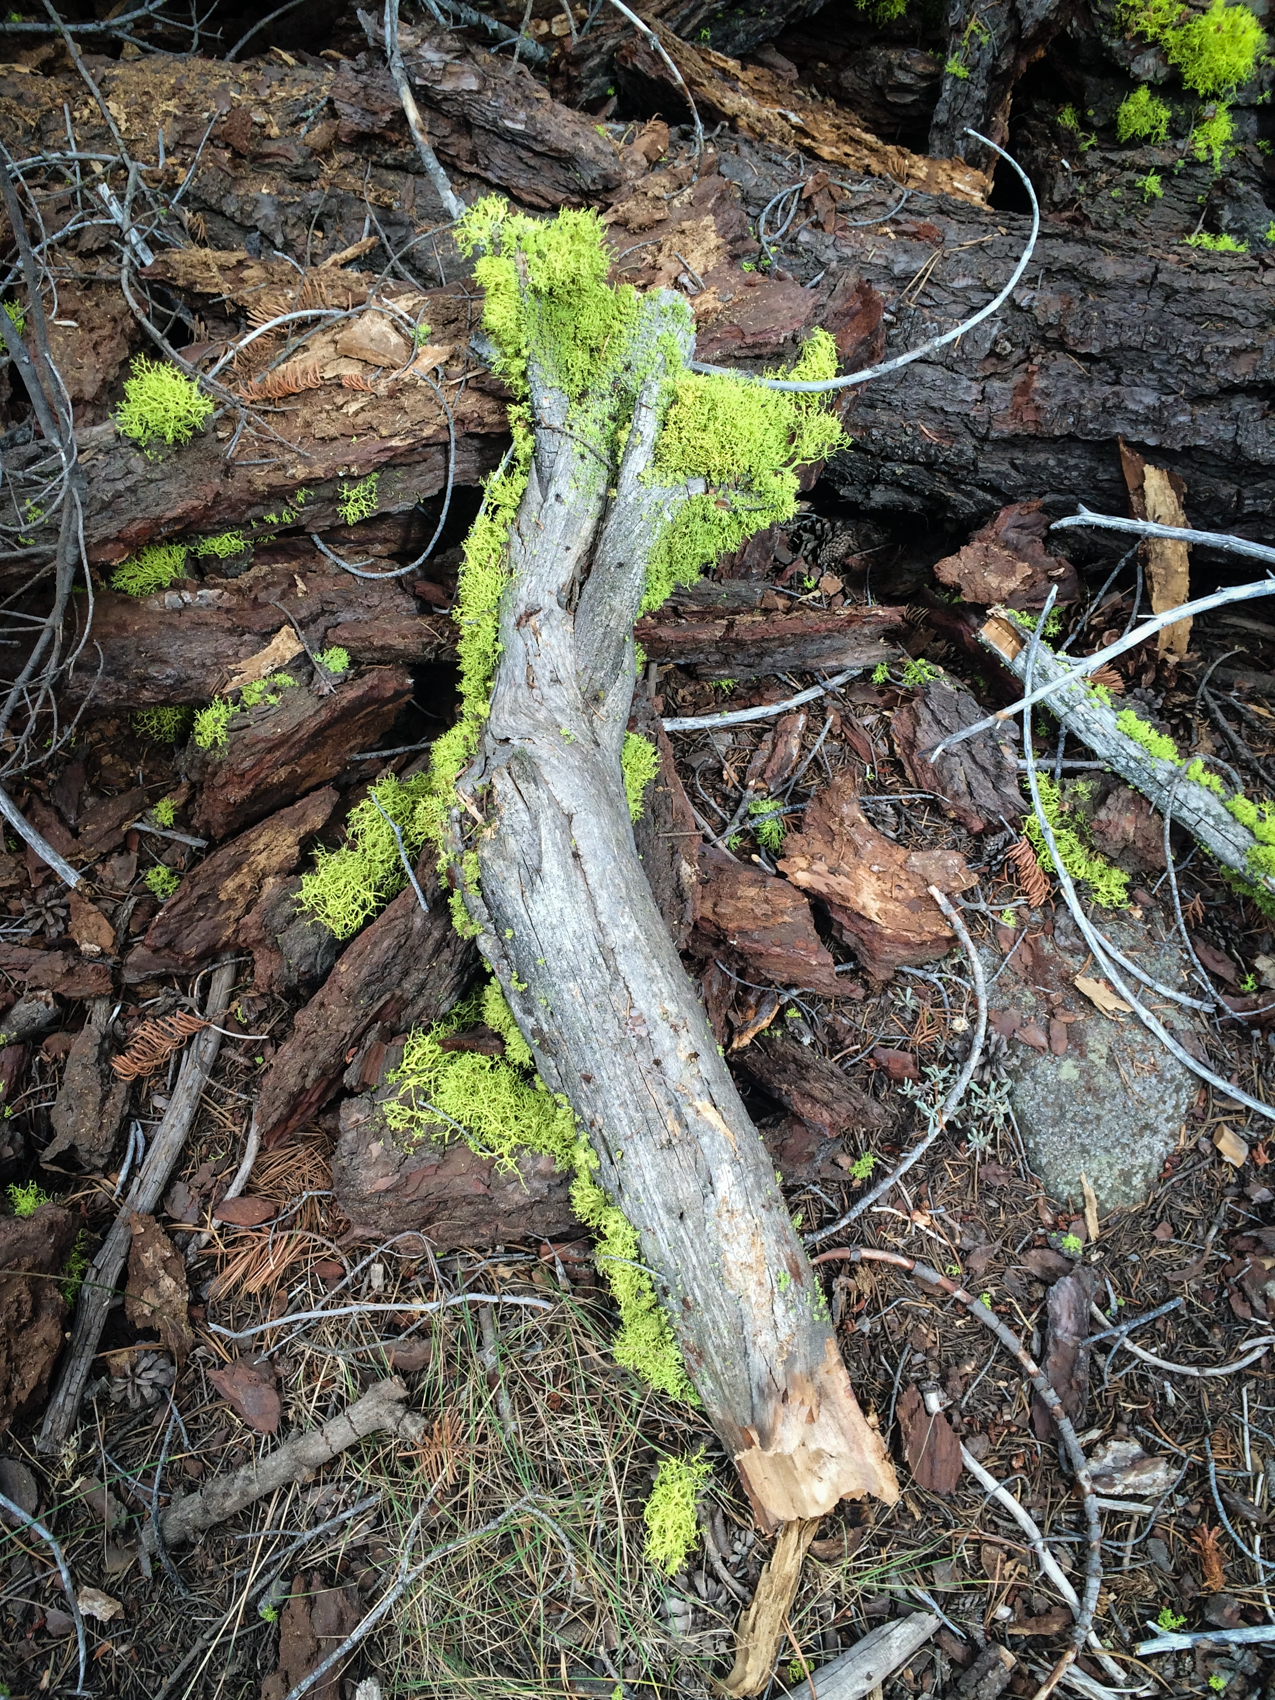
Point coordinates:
[[440, 1188], [406, 968], [182, 646], [91, 1101], [1066, 1355], [761, 924], [65, 972], [31, 1311], [487, 117], [978, 781], [203, 916], [293, 952], [805, 1082], [304, 740], [755, 645], [1007, 562], [874, 889]]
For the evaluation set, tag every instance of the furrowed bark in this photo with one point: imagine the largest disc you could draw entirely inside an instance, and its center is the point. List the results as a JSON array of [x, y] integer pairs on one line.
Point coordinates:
[[594, 980], [1086, 715]]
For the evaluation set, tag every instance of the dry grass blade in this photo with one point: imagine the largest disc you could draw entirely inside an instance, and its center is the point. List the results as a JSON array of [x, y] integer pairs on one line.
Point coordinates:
[[288, 380], [154, 1042], [1032, 878]]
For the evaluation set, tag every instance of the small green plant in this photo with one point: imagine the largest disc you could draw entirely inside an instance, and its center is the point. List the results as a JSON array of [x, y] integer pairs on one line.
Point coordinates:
[[767, 824], [162, 882], [358, 501], [420, 335], [17, 318], [1169, 1619], [1143, 117], [335, 659], [75, 1269], [1108, 885], [27, 1199], [268, 1613], [672, 1528], [163, 725], [159, 402], [918, 671], [1217, 1682], [1248, 983], [1029, 622], [1269, 233], [639, 764], [1216, 244], [1157, 744], [724, 684], [1213, 135], [1008, 918], [154, 567], [985, 1299], [265, 690], [221, 547], [212, 724], [1151, 186], [881, 673], [863, 1166], [1072, 1244], [164, 812], [953, 67], [1069, 118]]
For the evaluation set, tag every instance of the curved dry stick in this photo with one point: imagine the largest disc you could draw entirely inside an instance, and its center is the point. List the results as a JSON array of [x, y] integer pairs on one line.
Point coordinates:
[[1062, 1422], [1252, 1348], [741, 716], [452, 203], [68, 1586], [953, 1098], [1102, 952], [824, 385]]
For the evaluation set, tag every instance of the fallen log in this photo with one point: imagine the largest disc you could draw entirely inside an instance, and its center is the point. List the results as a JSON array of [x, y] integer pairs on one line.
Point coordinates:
[[1160, 779], [551, 879]]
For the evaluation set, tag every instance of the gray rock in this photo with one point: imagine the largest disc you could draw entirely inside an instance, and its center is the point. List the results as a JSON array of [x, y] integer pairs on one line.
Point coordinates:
[[1112, 1105]]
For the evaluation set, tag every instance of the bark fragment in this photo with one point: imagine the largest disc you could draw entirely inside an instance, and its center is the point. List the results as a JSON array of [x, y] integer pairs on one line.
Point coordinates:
[[757, 645], [32, 1249], [91, 1101], [978, 781], [761, 923], [1160, 496]]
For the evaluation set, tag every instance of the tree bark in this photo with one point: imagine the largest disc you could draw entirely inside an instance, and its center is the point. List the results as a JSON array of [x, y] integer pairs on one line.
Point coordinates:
[[569, 924]]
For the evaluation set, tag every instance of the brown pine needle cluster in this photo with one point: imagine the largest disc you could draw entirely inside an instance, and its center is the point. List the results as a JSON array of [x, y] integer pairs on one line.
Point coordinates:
[[286, 380], [154, 1042], [1032, 878], [1107, 675]]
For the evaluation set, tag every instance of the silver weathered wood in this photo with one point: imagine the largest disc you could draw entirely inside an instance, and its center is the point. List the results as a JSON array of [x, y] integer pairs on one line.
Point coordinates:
[[590, 972], [871, 1661]]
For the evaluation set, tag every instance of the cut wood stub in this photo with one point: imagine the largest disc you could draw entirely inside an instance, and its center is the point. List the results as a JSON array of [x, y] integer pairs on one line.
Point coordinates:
[[1159, 496], [876, 892]]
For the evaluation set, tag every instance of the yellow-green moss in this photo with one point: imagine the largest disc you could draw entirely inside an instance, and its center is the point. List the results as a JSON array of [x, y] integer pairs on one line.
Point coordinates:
[[1157, 744], [153, 568], [1198, 774], [26, 1198], [159, 402], [1108, 885], [162, 882], [1142, 117], [672, 1528], [746, 443], [1211, 136], [1214, 52], [165, 812], [1215, 244], [335, 659], [221, 547], [357, 502], [212, 724], [639, 763], [163, 725], [349, 885]]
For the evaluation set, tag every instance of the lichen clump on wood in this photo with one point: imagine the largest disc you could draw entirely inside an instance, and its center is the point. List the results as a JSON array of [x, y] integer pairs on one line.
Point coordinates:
[[639, 763], [160, 402], [1142, 117], [672, 1528], [213, 723], [1108, 885], [347, 886], [153, 568], [163, 725]]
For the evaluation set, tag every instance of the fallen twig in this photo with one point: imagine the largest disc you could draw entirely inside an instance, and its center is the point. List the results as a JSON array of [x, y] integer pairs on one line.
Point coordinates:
[[68, 1586], [98, 1291], [380, 1409], [423, 1307], [741, 716], [452, 203], [1224, 540], [1102, 950], [823, 386], [943, 1114], [1173, 1641], [1062, 1422]]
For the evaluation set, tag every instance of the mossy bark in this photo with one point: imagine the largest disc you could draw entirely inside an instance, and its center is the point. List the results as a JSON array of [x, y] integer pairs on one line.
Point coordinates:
[[569, 925]]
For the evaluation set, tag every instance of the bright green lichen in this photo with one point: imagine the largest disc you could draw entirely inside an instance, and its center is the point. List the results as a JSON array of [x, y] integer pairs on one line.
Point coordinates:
[[1142, 117], [357, 501], [1198, 774], [639, 763], [918, 671], [221, 547], [160, 402], [1213, 134], [1216, 244], [1151, 185], [27, 1198], [335, 659], [347, 886], [1157, 744], [766, 820], [1215, 52], [162, 882], [672, 1528], [165, 812], [212, 724], [1108, 885], [154, 567], [743, 439], [17, 318], [163, 725]]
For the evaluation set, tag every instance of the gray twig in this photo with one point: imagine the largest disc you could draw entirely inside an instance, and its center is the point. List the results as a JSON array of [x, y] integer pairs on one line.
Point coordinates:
[[68, 1586]]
